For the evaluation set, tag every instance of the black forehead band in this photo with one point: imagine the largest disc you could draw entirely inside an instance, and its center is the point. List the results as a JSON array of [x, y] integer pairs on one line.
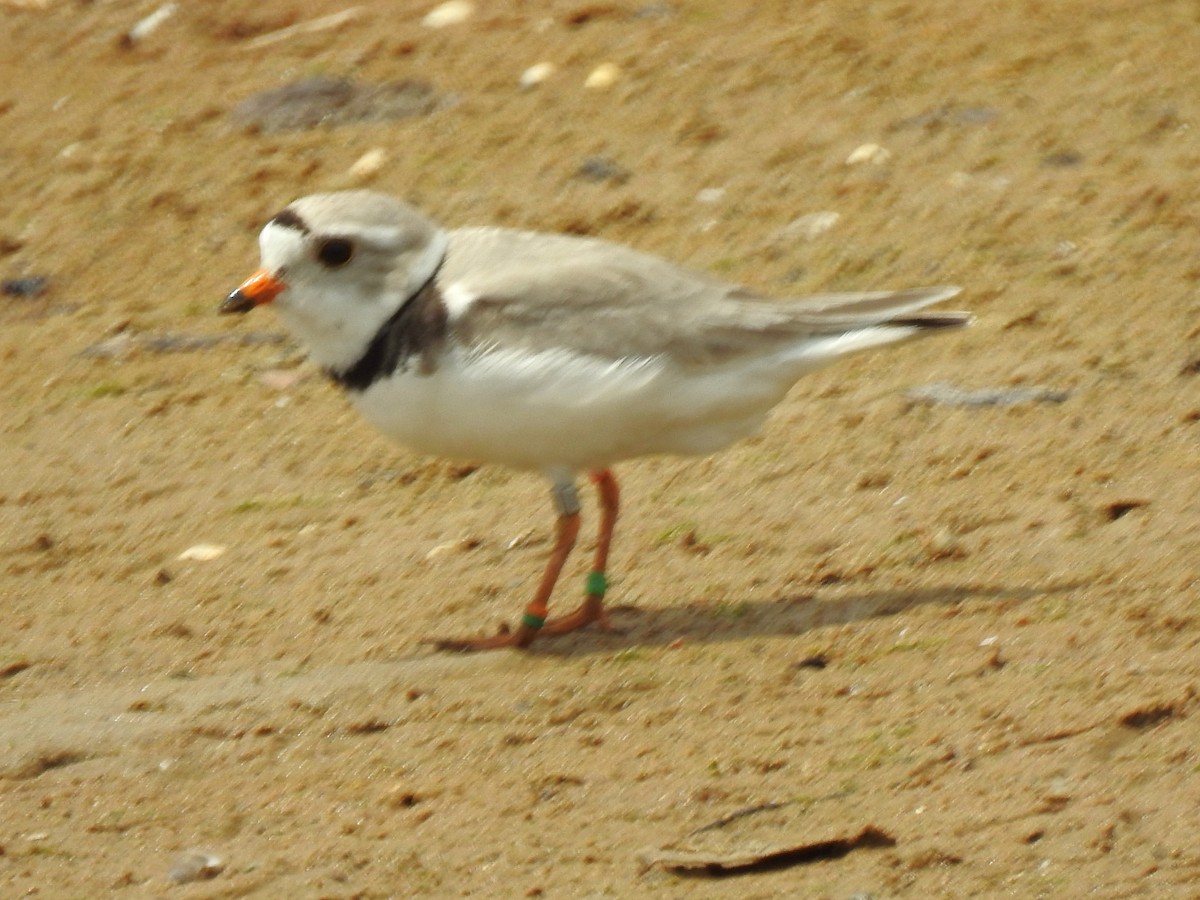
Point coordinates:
[[289, 218]]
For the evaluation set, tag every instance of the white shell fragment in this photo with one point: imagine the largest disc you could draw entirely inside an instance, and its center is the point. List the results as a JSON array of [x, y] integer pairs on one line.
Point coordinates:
[[603, 76], [453, 12], [369, 164], [147, 26], [521, 540], [203, 552], [869, 153], [462, 545], [310, 27], [536, 74]]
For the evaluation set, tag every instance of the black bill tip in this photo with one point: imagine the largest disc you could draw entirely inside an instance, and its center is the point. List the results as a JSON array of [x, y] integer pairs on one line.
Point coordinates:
[[238, 301]]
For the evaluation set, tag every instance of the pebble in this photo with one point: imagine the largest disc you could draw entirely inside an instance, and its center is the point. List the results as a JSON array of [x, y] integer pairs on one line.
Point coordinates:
[[196, 865], [603, 76], [310, 27], [28, 287], [147, 26], [462, 545], [369, 164], [709, 196], [521, 540], [536, 74], [1064, 159], [601, 168], [454, 12], [868, 153], [203, 552]]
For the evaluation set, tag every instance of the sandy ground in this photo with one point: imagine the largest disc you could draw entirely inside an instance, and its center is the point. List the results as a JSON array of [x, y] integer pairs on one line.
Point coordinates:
[[971, 628]]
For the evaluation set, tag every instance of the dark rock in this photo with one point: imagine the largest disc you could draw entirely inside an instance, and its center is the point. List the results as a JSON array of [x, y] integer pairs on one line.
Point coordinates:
[[601, 168], [25, 288], [1064, 159]]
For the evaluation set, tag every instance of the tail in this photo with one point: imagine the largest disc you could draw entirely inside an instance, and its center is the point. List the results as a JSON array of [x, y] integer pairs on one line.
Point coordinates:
[[933, 321], [846, 312], [853, 322]]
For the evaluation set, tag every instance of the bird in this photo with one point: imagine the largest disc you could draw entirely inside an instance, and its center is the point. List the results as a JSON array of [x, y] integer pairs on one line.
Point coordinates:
[[552, 353]]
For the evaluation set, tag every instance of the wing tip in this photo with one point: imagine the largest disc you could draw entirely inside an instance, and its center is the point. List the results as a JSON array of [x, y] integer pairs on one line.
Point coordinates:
[[935, 321], [938, 319]]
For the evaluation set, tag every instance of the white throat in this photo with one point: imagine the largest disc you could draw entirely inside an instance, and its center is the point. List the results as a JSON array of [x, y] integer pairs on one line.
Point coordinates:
[[336, 314]]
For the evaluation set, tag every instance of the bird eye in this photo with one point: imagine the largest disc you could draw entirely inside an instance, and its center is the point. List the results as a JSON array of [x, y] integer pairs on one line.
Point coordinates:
[[334, 252]]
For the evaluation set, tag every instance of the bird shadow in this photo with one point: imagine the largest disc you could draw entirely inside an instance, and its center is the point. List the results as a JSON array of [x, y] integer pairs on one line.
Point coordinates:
[[794, 614]]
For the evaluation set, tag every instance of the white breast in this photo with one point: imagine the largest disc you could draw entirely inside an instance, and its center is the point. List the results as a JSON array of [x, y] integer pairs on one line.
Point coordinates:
[[563, 410]]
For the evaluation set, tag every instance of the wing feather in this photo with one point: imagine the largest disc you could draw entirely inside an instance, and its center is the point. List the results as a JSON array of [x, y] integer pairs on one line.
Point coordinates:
[[545, 291]]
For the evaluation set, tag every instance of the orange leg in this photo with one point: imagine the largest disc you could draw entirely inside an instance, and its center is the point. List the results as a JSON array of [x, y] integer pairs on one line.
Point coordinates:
[[592, 608]]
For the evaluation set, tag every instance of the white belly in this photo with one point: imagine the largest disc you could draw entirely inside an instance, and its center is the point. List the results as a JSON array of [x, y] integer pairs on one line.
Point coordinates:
[[564, 411]]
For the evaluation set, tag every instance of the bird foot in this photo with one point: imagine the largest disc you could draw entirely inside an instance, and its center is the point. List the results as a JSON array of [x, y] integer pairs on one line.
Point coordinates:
[[590, 612]]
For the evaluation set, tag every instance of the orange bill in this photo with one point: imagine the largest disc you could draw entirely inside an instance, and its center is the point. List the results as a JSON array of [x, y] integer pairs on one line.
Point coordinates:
[[261, 287]]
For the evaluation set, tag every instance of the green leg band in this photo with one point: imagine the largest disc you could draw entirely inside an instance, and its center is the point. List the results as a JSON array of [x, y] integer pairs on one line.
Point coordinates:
[[529, 620], [597, 584]]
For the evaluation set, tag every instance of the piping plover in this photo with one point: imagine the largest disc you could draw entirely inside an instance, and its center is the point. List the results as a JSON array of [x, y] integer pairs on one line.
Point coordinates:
[[547, 352]]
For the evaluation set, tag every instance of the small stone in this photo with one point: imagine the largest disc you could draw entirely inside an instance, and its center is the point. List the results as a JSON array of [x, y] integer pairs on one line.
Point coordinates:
[[520, 540], [942, 544], [462, 545], [536, 74], [454, 12], [196, 865], [147, 26], [868, 153], [369, 164], [601, 168], [709, 196], [1064, 159], [25, 288], [815, 661], [203, 552], [603, 76]]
